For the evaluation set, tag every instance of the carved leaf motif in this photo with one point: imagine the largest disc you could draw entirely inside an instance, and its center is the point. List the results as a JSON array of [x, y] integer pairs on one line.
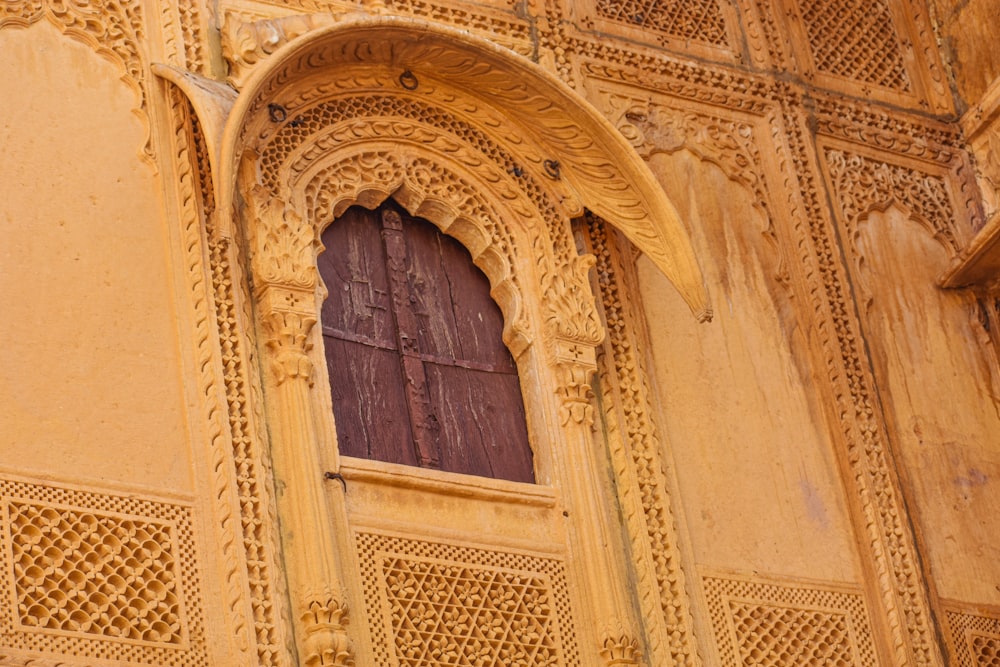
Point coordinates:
[[284, 245], [863, 185], [244, 45]]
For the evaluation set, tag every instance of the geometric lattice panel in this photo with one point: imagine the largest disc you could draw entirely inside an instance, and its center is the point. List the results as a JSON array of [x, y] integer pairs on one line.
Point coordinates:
[[692, 20], [855, 39], [433, 604], [777, 625], [99, 576], [975, 638]]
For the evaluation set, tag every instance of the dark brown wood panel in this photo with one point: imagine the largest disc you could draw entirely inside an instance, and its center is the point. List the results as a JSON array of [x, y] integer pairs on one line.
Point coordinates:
[[482, 422], [369, 406], [419, 373], [353, 268]]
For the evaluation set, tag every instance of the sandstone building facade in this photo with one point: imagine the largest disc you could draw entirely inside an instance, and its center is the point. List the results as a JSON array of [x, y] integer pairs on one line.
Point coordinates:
[[668, 333]]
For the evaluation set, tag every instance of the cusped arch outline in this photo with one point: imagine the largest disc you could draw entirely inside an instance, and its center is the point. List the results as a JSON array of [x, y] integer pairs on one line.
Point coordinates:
[[547, 127]]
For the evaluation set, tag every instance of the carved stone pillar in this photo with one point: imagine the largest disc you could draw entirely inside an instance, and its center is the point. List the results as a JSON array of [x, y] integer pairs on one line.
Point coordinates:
[[605, 575], [287, 316], [285, 293]]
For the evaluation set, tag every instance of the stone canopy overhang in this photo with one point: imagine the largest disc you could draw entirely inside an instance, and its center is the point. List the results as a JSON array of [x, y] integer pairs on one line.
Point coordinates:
[[541, 122]]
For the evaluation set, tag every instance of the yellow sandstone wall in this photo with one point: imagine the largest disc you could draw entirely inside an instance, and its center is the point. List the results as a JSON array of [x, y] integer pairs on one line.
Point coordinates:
[[810, 479], [92, 373]]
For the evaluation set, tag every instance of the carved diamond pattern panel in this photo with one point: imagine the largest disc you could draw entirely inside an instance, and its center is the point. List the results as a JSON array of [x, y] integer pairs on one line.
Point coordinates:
[[436, 604], [696, 20], [855, 39], [975, 639], [99, 576], [771, 625]]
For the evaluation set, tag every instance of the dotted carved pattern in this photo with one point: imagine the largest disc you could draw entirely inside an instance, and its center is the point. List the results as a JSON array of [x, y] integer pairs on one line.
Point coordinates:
[[234, 459], [889, 537], [256, 517], [975, 639], [100, 576], [863, 185], [433, 603], [695, 20], [646, 503], [855, 39], [770, 625]]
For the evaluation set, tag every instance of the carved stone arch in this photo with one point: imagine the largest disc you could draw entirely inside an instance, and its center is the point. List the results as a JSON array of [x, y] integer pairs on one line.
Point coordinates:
[[727, 143], [864, 185], [537, 117], [431, 190]]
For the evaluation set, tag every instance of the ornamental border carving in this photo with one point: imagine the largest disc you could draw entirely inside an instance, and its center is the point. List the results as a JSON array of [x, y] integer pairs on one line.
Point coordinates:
[[243, 498], [642, 475], [879, 511], [862, 184]]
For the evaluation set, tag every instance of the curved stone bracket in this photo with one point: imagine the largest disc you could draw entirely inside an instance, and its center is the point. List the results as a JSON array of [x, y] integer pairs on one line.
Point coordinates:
[[212, 101]]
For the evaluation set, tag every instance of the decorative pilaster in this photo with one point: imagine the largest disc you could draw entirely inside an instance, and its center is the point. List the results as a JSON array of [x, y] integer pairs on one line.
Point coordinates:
[[285, 284], [323, 620], [576, 364]]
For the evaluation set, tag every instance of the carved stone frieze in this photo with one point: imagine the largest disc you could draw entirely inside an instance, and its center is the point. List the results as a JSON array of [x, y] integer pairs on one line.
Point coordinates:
[[895, 132], [863, 184]]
